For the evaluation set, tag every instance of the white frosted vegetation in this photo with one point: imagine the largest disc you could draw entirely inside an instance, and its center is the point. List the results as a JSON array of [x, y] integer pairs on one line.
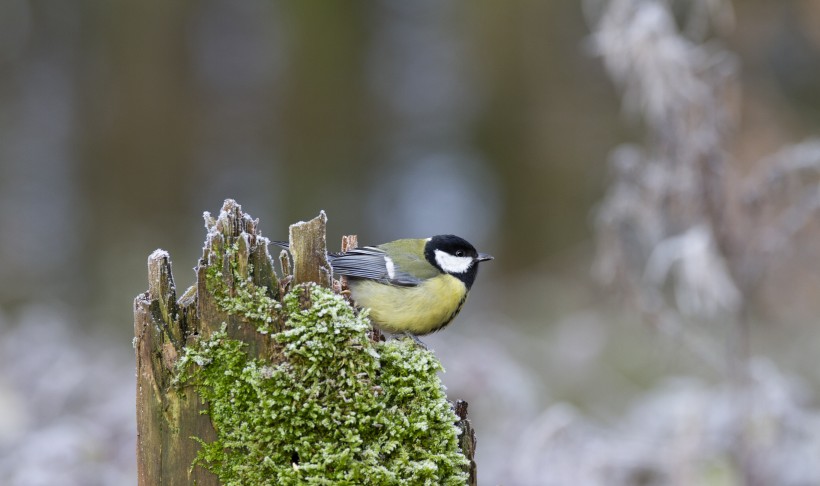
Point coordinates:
[[66, 409]]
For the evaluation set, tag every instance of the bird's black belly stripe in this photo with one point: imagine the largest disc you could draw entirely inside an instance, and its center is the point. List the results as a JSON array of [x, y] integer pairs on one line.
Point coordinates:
[[452, 316]]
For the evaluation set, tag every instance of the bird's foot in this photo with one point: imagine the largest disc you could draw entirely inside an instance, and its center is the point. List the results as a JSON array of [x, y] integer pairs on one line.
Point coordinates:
[[417, 340]]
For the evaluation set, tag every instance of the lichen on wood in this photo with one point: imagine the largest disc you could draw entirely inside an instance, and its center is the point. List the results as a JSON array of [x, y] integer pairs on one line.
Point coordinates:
[[255, 379]]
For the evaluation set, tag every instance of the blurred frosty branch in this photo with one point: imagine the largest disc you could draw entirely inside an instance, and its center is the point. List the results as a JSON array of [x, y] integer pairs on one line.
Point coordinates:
[[788, 188], [664, 75], [671, 219], [663, 220], [677, 235]]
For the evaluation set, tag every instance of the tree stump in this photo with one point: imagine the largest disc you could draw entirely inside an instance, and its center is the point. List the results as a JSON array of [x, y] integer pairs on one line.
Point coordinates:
[[185, 435]]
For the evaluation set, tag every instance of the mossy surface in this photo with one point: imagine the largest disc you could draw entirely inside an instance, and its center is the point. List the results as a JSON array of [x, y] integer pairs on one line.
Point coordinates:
[[338, 409], [246, 299]]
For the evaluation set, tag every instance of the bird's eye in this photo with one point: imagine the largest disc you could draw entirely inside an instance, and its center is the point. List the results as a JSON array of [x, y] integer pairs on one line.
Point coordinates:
[[459, 253]]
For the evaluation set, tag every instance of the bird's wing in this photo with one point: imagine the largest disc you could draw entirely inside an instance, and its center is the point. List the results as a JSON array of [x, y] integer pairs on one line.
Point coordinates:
[[365, 262], [399, 262], [369, 262]]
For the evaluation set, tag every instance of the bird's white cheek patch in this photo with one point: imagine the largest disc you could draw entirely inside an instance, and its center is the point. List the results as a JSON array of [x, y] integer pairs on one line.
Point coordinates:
[[391, 269], [451, 263]]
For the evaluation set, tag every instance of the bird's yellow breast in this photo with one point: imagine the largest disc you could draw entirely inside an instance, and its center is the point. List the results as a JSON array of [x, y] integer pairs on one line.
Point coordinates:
[[418, 310]]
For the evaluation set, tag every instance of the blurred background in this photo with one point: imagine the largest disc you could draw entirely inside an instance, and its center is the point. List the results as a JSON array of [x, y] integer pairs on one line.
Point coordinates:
[[644, 171]]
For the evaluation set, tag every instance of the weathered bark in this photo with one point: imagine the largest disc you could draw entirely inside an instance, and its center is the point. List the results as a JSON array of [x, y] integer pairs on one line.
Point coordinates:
[[309, 250], [467, 441], [168, 417]]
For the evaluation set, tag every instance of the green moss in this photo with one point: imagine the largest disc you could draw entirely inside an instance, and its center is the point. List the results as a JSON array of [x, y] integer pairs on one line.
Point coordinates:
[[339, 409], [247, 300]]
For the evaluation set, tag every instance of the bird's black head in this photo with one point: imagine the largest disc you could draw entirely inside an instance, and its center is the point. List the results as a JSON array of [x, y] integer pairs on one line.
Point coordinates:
[[455, 256]]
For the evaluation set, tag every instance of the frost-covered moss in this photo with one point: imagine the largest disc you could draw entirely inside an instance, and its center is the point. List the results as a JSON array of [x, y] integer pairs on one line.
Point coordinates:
[[339, 409], [246, 300]]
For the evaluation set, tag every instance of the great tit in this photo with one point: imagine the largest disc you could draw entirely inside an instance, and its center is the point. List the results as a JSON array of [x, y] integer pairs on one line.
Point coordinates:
[[412, 286]]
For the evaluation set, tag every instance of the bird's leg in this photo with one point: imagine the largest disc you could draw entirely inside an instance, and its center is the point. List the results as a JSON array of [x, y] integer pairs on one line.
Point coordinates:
[[416, 339]]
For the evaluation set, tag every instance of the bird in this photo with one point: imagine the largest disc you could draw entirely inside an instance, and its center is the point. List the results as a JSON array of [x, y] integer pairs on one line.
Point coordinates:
[[411, 286]]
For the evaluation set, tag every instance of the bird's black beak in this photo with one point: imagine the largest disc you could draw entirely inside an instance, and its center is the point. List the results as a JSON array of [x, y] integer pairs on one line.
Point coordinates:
[[483, 257]]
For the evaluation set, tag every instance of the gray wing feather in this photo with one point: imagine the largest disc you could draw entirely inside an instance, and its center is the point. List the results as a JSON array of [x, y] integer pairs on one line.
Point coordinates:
[[368, 262], [365, 262]]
